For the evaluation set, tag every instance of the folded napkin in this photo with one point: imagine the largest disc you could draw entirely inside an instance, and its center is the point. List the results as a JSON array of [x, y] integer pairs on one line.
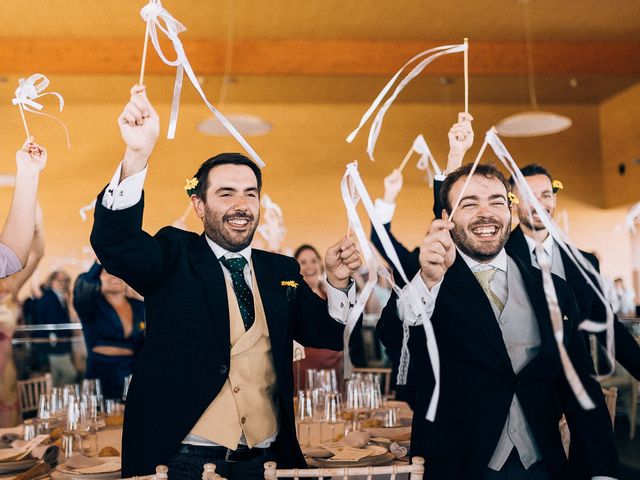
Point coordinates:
[[81, 464]]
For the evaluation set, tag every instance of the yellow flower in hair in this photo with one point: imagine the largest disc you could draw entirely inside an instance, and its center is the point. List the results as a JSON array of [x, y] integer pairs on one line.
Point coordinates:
[[289, 283], [513, 198], [191, 184], [557, 185]]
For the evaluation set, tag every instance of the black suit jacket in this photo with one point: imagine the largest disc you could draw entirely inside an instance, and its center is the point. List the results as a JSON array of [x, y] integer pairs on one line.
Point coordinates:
[[50, 310], [478, 383], [590, 306], [186, 356]]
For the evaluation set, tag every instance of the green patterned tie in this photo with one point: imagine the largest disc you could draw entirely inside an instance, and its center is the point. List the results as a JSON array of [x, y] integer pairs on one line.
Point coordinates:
[[484, 278], [241, 289]]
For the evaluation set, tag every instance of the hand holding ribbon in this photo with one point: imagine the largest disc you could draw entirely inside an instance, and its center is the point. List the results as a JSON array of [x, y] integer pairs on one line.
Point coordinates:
[[158, 18], [28, 91]]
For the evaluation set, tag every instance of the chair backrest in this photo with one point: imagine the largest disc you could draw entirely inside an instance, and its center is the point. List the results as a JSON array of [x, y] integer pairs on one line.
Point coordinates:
[[29, 392], [415, 471], [385, 378], [611, 397]]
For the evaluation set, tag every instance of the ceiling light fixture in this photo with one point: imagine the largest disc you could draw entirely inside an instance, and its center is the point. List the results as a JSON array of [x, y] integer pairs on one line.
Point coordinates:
[[535, 122], [246, 124]]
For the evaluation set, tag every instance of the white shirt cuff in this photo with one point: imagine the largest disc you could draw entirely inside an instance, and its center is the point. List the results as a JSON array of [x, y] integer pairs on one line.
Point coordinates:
[[416, 302], [384, 210], [125, 194], [339, 302], [600, 477], [440, 178]]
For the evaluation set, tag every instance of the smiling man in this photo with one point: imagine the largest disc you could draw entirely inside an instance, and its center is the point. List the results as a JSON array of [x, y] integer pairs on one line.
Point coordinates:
[[503, 389], [213, 383]]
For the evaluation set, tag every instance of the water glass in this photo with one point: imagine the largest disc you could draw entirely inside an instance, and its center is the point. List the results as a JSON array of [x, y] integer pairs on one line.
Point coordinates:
[[305, 405], [332, 407]]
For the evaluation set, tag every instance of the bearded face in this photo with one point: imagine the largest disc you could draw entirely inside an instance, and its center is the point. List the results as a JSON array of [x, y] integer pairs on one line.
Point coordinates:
[[483, 219], [231, 211], [543, 190]]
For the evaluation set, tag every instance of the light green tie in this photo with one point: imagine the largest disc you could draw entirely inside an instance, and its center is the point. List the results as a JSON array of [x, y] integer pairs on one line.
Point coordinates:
[[484, 278]]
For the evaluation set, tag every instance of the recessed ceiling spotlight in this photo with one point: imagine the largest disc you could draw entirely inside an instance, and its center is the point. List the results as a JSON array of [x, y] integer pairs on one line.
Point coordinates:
[[573, 82], [444, 81]]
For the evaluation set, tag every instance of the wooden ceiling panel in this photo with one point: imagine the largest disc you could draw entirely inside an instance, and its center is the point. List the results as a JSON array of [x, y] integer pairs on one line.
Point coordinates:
[[500, 20]]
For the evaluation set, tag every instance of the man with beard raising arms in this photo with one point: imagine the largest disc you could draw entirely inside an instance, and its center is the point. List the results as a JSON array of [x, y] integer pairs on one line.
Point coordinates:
[[213, 383], [503, 389]]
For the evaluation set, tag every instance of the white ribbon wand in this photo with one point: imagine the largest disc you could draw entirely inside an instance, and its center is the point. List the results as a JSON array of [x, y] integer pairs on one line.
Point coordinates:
[[427, 57], [426, 161], [350, 202], [87, 208], [28, 91], [155, 14]]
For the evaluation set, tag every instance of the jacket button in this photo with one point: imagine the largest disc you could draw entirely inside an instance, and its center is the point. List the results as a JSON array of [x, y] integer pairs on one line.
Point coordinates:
[[236, 389], [223, 369]]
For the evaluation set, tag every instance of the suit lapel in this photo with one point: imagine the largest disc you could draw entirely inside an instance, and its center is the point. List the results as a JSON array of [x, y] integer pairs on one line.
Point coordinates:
[[275, 305], [210, 272], [465, 288], [517, 246]]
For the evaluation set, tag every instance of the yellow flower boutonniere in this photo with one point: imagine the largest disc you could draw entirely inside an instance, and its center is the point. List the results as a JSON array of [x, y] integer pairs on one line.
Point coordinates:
[[190, 185], [289, 283], [513, 198], [141, 325], [557, 186]]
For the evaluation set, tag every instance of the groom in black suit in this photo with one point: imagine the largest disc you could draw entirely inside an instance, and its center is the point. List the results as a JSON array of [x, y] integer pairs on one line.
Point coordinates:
[[503, 389], [213, 383]]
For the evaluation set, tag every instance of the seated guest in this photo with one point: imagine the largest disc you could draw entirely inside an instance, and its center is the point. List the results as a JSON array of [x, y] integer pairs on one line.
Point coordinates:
[[503, 388], [311, 269], [52, 308], [626, 298], [113, 324], [19, 228], [9, 315]]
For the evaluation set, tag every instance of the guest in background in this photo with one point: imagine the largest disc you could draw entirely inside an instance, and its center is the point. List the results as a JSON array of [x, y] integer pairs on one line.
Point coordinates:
[[311, 269], [9, 314], [19, 229], [53, 308], [626, 298], [113, 324]]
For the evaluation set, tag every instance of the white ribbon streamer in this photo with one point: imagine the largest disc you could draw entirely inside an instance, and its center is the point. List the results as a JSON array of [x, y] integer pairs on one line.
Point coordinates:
[[353, 176], [632, 217], [426, 161], [155, 15], [32, 88], [87, 208], [586, 269], [272, 229], [427, 57], [583, 265]]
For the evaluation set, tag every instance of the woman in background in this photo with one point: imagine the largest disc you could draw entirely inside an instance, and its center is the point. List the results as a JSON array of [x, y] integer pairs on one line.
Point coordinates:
[[10, 311], [113, 324]]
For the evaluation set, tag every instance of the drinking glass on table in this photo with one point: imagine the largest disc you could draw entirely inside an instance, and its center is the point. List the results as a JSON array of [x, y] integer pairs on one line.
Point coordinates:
[[305, 405], [72, 439], [332, 407]]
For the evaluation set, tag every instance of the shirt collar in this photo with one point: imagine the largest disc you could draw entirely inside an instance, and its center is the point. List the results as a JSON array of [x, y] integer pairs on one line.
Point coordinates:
[[219, 252], [499, 261], [547, 245]]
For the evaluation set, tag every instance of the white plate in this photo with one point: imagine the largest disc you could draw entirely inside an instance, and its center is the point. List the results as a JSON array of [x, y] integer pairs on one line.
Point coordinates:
[[20, 465], [96, 476]]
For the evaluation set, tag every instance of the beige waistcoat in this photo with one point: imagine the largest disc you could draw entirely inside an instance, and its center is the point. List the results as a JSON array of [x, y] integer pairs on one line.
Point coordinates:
[[246, 402]]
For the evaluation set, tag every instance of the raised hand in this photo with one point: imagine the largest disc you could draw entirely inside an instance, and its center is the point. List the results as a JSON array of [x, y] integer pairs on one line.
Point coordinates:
[[460, 140], [341, 261], [392, 186], [140, 127], [31, 157], [437, 252]]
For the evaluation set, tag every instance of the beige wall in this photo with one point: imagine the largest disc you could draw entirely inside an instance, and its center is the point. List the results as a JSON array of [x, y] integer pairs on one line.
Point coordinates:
[[620, 138], [306, 154]]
